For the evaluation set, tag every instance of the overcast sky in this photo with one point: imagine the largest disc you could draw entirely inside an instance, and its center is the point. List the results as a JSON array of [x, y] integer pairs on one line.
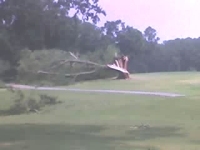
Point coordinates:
[[171, 18]]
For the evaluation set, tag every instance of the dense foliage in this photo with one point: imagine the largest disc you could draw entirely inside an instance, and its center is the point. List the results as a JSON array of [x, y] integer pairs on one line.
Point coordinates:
[[46, 24]]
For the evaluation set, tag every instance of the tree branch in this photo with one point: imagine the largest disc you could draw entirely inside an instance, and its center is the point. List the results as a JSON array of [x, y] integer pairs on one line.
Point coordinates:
[[78, 61], [67, 75], [48, 73], [73, 55], [120, 69], [81, 73]]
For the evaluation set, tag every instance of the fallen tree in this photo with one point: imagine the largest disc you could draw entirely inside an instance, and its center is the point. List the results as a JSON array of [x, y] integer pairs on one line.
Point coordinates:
[[118, 65]]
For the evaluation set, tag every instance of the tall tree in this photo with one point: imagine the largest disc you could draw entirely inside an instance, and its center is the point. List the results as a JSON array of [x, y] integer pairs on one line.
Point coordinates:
[[150, 35], [38, 24], [130, 41]]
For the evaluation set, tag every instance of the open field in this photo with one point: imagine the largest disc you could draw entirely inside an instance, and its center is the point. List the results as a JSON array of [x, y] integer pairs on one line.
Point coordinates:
[[96, 121]]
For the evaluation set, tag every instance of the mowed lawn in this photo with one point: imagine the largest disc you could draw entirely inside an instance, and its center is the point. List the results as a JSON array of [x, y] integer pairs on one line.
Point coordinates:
[[94, 121]]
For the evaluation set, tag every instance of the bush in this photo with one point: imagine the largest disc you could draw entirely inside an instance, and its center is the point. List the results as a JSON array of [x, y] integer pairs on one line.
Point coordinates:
[[48, 100], [33, 105], [23, 104], [19, 105]]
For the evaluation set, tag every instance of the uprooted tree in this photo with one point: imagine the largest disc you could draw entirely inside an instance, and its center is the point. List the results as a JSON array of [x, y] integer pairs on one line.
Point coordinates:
[[118, 65]]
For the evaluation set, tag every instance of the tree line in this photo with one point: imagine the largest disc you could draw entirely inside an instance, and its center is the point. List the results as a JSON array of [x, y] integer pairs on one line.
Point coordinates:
[[46, 24]]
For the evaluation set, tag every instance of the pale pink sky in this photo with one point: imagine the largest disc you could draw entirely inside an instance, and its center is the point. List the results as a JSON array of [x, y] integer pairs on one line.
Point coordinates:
[[171, 18]]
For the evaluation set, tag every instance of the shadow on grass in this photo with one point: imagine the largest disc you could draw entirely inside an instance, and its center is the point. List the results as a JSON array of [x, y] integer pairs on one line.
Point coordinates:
[[73, 137]]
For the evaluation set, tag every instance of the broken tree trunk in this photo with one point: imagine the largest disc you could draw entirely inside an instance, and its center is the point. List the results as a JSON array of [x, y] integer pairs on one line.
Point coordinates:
[[119, 65]]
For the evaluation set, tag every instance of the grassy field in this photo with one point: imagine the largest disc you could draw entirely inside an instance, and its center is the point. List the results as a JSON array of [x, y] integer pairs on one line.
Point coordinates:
[[91, 121]]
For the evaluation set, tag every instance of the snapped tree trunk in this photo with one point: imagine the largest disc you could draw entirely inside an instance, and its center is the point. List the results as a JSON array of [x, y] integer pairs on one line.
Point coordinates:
[[119, 66]]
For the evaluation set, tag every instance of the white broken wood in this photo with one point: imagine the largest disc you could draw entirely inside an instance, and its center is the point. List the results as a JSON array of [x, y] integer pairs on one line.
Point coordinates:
[[117, 68]]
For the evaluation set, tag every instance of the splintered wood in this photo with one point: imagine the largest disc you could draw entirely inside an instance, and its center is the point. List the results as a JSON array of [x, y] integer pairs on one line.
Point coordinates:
[[120, 65]]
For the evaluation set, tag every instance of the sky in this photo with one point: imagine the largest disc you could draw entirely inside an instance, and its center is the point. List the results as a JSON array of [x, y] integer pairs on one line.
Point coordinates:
[[171, 18]]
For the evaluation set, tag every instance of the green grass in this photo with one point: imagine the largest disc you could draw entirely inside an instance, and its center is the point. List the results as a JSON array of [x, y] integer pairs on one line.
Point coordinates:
[[91, 121]]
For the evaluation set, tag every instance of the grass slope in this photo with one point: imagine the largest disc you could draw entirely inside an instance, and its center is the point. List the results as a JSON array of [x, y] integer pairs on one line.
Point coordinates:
[[91, 121]]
